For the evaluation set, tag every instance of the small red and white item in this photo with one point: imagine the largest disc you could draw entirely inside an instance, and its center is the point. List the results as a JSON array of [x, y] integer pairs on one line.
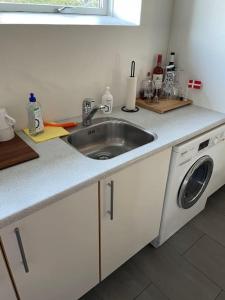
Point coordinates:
[[195, 84]]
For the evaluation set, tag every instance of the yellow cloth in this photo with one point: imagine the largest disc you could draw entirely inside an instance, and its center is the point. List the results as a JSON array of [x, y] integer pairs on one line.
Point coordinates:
[[49, 133]]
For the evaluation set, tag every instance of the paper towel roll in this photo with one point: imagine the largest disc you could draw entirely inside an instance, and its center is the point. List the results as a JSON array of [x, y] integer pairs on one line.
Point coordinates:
[[131, 93]]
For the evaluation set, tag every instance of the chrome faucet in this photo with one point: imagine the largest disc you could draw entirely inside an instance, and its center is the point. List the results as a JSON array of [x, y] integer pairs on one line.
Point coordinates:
[[88, 111]]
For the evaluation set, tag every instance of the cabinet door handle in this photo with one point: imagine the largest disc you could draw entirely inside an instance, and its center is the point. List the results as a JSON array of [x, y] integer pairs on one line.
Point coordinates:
[[111, 184], [22, 252]]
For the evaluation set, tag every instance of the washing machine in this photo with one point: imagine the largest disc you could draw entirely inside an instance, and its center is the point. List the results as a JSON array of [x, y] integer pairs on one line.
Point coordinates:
[[197, 170]]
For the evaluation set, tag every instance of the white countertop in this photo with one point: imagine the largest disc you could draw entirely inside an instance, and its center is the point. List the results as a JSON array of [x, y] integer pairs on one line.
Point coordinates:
[[61, 169]]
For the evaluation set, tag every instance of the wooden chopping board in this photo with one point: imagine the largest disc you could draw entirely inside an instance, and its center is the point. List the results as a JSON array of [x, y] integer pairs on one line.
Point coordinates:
[[15, 152], [164, 105]]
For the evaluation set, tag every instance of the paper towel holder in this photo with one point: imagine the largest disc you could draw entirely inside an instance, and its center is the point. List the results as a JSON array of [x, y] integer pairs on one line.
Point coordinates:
[[132, 77], [130, 111]]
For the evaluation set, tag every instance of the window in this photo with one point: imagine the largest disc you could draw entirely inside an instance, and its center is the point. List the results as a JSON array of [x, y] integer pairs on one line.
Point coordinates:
[[89, 7], [71, 12]]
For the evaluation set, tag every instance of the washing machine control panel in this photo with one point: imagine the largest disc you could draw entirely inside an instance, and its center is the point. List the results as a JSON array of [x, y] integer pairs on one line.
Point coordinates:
[[218, 138], [200, 145], [212, 140]]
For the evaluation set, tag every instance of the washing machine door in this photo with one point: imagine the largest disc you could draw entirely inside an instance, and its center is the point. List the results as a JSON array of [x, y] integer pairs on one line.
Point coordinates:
[[195, 182]]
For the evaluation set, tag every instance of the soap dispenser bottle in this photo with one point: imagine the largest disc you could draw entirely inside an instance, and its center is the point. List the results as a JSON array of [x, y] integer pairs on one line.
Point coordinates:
[[107, 100], [35, 121]]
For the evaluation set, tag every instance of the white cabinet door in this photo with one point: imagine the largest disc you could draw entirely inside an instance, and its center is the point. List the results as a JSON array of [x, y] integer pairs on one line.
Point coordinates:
[[131, 209], [61, 246], [6, 287]]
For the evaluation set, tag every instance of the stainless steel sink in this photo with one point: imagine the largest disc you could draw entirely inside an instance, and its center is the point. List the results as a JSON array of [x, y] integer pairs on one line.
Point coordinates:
[[108, 137]]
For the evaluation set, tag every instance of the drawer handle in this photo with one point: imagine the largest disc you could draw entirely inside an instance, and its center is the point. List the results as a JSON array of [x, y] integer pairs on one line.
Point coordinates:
[[22, 252], [111, 185]]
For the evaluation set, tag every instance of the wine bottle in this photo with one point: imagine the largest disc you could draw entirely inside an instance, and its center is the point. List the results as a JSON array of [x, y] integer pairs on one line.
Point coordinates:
[[158, 76]]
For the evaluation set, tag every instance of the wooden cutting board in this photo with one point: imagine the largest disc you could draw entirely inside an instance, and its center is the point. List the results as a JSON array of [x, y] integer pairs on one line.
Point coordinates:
[[15, 152], [164, 105]]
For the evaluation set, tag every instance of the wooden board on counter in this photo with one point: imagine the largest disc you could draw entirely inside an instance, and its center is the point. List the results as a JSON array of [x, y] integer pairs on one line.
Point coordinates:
[[15, 152], [164, 105]]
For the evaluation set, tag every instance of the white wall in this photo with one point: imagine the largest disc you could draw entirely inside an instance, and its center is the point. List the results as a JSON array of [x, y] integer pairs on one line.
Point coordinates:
[[198, 37], [64, 64]]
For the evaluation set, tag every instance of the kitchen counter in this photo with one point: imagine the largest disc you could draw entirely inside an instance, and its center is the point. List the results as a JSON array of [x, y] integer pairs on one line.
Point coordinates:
[[61, 169]]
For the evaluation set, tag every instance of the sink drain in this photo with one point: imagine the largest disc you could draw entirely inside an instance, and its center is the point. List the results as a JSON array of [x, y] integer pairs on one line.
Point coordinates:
[[102, 155]]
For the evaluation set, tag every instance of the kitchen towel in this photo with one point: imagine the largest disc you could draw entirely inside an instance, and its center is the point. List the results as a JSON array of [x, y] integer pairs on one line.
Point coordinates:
[[131, 93], [49, 133]]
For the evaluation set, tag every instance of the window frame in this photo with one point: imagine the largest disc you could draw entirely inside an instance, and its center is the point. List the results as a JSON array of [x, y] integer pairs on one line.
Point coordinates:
[[62, 9]]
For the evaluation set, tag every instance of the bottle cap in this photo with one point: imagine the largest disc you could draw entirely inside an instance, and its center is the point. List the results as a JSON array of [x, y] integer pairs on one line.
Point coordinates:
[[32, 98]]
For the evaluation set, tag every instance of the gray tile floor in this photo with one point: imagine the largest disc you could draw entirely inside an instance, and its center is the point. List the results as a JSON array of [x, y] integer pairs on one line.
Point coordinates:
[[189, 266]]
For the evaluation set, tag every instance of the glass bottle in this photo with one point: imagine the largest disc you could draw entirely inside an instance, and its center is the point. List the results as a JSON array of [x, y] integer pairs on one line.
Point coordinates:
[[157, 78]]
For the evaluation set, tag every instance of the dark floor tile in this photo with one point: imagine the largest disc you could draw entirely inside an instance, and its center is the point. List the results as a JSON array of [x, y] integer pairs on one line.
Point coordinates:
[[92, 295], [174, 276], [151, 293], [209, 257], [221, 296], [217, 201], [211, 223], [185, 238], [124, 284]]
